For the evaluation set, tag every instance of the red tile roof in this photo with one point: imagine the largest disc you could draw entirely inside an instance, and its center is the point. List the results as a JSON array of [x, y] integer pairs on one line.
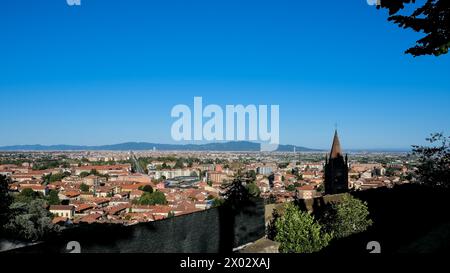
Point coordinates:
[[61, 207]]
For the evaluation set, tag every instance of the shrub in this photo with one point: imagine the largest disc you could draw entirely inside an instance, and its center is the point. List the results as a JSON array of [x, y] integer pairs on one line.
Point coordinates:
[[298, 232]]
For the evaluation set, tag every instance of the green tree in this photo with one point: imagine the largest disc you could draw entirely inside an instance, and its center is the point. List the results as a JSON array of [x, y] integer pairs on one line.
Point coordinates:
[[217, 202], [390, 172], [251, 175], [5, 200], [27, 195], [45, 164], [51, 178], [342, 219], [291, 187], [30, 221], [299, 232], [179, 164], [236, 194], [431, 18], [159, 198], [154, 198], [53, 198], [146, 188], [253, 190], [84, 187], [434, 161], [84, 174]]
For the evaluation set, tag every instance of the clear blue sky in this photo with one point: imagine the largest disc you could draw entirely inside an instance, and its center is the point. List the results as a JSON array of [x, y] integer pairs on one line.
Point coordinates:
[[110, 71]]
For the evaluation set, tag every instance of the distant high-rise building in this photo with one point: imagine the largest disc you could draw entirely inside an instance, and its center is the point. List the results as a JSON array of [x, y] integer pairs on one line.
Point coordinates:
[[336, 169]]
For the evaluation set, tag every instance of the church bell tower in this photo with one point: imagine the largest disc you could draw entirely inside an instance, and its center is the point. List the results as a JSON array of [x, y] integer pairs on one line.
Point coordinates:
[[336, 169]]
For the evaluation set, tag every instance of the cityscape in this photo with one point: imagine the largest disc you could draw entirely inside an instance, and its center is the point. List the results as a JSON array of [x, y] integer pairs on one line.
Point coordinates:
[[131, 187], [107, 186]]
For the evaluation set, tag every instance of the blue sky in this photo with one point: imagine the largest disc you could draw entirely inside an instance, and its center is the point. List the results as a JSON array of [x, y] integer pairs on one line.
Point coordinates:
[[111, 71]]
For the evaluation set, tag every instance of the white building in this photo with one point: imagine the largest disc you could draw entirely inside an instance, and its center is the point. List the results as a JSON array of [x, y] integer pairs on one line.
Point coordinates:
[[170, 174], [63, 211]]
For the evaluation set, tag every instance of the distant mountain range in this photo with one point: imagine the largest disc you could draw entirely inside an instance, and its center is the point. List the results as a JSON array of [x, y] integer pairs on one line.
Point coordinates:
[[238, 146]]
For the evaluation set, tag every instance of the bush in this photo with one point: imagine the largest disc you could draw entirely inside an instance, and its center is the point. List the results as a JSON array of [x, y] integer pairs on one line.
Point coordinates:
[[298, 232]]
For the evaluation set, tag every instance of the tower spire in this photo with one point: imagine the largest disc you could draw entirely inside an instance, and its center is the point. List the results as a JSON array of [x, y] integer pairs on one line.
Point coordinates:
[[336, 149]]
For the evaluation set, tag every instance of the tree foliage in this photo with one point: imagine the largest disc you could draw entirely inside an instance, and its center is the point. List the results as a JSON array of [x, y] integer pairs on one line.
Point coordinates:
[[432, 18], [342, 219], [27, 195], [45, 164], [84, 174], [236, 193], [154, 198], [253, 190], [299, 232], [51, 178], [5, 200], [84, 187], [179, 164], [251, 175], [146, 188], [434, 161], [53, 198], [30, 221], [217, 202], [291, 188]]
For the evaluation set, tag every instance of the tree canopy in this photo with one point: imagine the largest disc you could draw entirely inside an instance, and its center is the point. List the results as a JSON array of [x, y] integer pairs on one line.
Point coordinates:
[[53, 198], [299, 232], [253, 190], [236, 193], [434, 161], [342, 219], [146, 188], [154, 198], [432, 18], [27, 195], [5, 200], [30, 221], [84, 187]]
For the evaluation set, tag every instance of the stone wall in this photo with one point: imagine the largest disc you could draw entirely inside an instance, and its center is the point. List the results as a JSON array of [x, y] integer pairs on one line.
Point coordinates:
[[216, 230]]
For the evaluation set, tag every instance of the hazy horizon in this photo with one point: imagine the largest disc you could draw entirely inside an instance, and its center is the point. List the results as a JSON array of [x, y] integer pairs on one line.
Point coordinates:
[[403, 149]]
